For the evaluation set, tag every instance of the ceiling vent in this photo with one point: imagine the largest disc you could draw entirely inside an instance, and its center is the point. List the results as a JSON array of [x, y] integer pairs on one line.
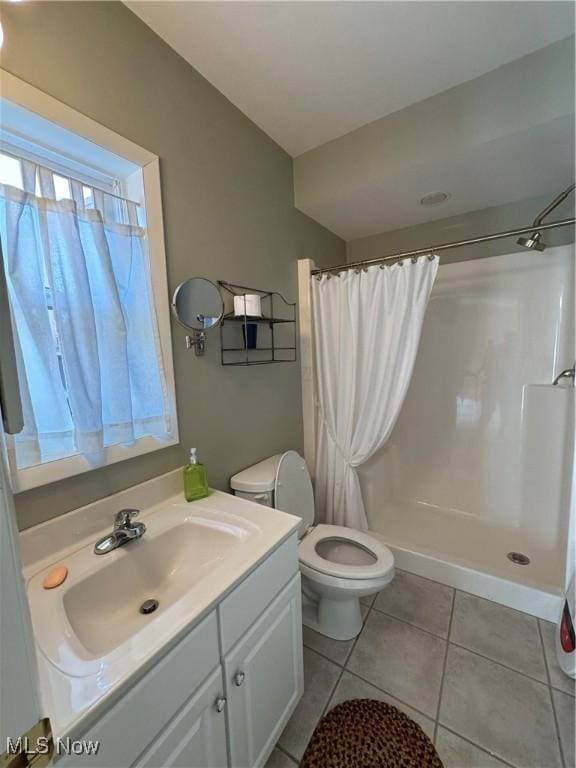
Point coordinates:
[[435, 198]]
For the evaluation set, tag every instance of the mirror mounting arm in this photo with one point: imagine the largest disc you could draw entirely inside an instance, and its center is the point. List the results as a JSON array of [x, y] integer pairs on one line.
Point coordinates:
[[197, 341]]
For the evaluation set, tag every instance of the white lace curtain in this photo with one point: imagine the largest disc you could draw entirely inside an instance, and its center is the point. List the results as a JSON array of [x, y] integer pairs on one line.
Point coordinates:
[[367, 327], [88, 355]]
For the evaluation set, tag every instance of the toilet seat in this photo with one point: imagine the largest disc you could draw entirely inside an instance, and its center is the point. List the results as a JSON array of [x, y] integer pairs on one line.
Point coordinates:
[[310, 557], [338, 565]]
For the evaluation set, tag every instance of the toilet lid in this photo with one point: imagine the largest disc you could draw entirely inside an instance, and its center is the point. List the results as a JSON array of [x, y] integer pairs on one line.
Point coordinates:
[[310, 553], [293, 489]]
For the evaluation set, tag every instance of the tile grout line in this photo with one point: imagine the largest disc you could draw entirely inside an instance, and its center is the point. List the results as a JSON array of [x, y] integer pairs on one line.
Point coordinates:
[[371, 682], [438, 637], [444, 667], [330, 658], [284, 749], [322, 656], [410, 706], [555, 717], [537, 619], [343, 668], [328, 700], [410, 624], [470, 594], [549, 677], [285, 752], [458, 645], [562, 690], [427, 716], [477, 746], [495, 602], [473, 594], [390, 695], [320, 653], [499, 663], [466, 648]]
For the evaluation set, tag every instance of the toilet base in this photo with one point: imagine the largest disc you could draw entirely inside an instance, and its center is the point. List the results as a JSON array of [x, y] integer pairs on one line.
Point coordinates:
[[331, 606], [337, 619]]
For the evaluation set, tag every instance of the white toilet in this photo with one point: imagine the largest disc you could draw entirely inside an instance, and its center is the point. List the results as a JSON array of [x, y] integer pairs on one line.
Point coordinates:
[[338, 565]]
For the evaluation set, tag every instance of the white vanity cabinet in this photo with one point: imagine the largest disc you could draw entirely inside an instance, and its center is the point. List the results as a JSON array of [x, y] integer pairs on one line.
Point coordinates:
[[197, 735], [222, 695], [263, 674]]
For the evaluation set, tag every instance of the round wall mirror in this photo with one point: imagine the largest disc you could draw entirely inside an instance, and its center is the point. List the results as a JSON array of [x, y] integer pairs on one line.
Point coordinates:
[[197, 304]]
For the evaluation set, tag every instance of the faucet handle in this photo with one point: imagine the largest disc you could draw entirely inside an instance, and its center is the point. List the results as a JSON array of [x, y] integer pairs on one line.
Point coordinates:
[[123, 518]]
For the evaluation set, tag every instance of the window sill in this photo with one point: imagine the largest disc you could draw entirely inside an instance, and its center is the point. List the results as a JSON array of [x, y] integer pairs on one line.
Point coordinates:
[[53, 471]]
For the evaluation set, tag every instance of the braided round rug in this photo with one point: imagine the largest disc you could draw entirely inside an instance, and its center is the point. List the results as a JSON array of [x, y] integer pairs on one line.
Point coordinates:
[[362, 733]]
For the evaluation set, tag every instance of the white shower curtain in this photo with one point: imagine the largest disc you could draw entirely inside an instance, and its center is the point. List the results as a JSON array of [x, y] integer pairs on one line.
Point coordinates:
[[367, 327]]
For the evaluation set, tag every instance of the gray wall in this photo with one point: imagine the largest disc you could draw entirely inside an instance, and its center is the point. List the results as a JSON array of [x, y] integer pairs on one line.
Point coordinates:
[[228, 214], [467, 225]]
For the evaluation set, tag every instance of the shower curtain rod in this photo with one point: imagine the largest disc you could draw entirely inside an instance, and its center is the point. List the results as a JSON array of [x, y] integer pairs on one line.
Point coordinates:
[[445, 246]]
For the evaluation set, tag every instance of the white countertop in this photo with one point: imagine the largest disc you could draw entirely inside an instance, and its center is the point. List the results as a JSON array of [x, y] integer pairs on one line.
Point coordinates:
[[73, 696]]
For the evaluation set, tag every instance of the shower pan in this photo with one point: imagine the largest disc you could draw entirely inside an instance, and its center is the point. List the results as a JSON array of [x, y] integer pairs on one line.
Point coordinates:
[[473, 487]]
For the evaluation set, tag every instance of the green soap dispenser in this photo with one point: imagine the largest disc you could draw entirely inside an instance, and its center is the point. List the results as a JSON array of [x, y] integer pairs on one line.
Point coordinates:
[[195, 479]]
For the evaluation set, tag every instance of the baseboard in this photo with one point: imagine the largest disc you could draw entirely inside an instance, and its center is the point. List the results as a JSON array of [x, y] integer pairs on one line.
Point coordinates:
[[537, 602]]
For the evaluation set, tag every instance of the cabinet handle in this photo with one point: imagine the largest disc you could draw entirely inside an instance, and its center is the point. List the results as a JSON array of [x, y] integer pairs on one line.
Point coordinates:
[[220, 703], [239, 678]]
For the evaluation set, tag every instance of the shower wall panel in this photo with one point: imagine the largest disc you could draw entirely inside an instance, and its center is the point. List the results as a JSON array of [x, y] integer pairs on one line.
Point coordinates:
[[483, 434]]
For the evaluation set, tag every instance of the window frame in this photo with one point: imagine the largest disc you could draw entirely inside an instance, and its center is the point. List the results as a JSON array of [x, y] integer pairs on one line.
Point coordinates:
[[145, 184]]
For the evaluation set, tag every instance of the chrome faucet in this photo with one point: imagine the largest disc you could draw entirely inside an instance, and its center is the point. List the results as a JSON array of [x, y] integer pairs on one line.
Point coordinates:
[[124, 531], [566, 374]]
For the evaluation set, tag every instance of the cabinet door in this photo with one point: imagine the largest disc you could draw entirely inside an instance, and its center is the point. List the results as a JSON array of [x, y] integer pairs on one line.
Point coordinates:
[[264, 679], [196, 737], [152, 705]]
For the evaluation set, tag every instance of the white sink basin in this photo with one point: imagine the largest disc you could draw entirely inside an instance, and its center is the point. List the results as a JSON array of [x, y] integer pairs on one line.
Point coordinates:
[[93, 619], [103, 608]]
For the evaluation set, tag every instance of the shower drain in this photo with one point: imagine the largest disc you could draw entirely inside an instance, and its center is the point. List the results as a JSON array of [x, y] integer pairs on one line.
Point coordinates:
[[518, 558], [149, 606]]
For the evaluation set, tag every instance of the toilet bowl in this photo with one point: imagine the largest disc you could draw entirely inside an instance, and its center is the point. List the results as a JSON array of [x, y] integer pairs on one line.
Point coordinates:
[[338, 565]]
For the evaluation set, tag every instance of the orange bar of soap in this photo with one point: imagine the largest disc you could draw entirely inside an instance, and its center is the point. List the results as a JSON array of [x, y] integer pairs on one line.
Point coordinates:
[[56, 577]]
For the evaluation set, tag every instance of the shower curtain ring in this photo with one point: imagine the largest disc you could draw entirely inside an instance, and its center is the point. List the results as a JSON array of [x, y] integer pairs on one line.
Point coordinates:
[[414, 259]]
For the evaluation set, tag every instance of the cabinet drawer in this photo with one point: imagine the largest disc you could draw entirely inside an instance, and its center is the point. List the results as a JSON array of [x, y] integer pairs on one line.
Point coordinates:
[[144, 710], [240, 609]]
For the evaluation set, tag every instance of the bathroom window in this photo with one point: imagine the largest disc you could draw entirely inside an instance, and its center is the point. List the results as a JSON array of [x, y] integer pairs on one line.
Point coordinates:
[[83, 255]]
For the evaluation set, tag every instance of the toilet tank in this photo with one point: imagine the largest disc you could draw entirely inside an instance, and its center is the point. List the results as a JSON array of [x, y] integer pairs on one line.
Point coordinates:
[[256, 483], [282, 482], [265, 497]]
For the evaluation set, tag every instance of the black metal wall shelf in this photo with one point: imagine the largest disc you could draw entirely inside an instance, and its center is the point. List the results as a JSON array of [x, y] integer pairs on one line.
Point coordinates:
[[275, 332], [230, 317]]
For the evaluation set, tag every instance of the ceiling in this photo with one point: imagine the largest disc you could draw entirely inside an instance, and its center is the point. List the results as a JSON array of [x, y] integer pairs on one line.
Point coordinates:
[[309, 72], [532, 163]]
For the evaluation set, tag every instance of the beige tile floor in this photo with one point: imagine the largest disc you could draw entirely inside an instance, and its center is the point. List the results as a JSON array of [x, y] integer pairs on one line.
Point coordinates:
[[481, 680]]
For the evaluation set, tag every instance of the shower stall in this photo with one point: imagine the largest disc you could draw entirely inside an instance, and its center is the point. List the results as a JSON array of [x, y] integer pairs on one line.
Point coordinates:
[[477, 472], [473, 487]]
